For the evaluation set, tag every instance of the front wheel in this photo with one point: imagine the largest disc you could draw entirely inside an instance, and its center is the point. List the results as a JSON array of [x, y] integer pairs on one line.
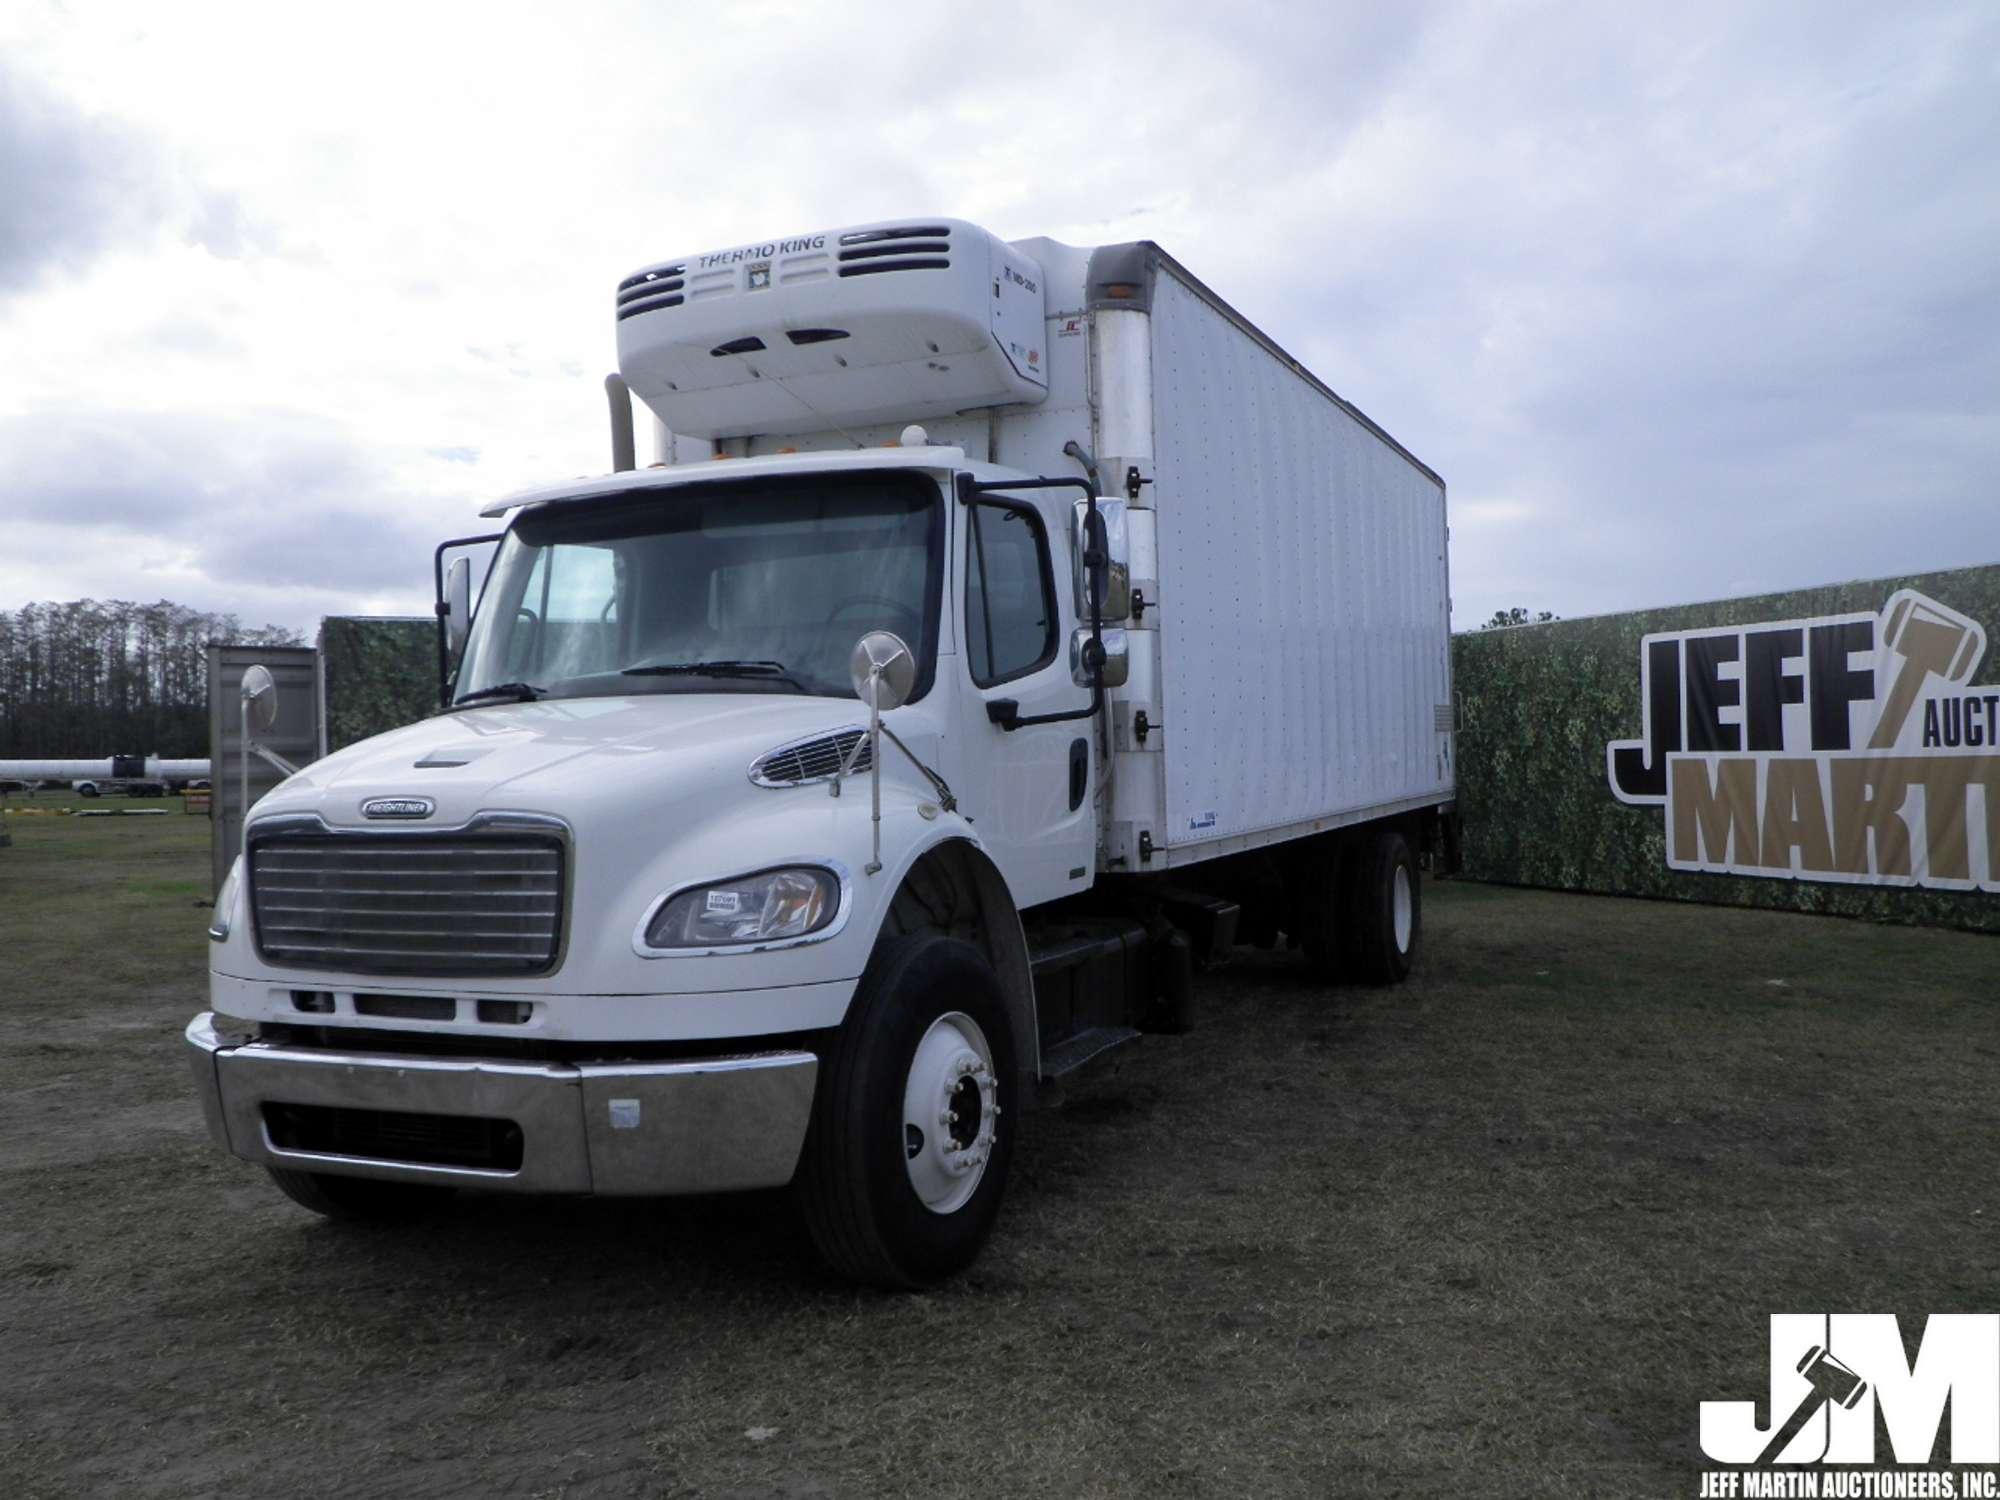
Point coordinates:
[[912, 1130]]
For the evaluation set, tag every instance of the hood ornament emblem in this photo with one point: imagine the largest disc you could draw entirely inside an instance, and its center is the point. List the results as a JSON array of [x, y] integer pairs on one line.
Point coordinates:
[[398, 807]]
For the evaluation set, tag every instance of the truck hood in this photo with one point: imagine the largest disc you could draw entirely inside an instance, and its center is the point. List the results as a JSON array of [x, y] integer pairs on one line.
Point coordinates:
[[655, 795], [560, 754]]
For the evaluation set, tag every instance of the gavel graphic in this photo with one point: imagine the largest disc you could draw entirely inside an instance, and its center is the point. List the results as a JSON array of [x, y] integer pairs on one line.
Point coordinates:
[[1929, 638], [1830, 1381]]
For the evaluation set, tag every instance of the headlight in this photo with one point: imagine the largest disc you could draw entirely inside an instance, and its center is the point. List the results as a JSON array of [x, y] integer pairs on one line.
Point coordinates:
[[767, 907], [225, 903]]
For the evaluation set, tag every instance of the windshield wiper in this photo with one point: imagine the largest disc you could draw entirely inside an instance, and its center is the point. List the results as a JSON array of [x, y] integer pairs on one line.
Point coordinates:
[[774, 670], [520, 692]]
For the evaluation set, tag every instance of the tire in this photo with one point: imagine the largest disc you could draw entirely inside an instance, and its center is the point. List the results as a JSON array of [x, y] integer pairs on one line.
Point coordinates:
[[357, 1199], [1323, 904], [88, 789], [893, 1195], [1385, 906]]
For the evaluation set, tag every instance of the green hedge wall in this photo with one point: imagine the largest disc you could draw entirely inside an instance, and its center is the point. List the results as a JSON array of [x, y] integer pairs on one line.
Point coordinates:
[[380, 674], [1539, 703]]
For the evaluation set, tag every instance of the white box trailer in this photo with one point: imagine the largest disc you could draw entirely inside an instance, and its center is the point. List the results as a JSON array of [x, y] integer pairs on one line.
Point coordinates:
[[1150, 629]]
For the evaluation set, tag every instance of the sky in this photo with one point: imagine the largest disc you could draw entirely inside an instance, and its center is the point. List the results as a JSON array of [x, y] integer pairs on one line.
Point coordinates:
[[1684, 302]]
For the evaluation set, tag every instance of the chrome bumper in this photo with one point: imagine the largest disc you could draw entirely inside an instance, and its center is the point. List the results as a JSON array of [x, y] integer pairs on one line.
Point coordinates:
[[625, 1129]]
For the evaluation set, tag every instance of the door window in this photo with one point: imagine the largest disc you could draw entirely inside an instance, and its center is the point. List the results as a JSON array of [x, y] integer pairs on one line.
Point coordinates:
[[1010, 596]]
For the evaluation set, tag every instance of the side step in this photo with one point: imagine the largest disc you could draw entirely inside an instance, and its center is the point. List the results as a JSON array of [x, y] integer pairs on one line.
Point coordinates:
[[1071, 1053]]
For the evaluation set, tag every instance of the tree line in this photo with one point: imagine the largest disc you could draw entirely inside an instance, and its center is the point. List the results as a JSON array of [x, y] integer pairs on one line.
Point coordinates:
[[97, 677]]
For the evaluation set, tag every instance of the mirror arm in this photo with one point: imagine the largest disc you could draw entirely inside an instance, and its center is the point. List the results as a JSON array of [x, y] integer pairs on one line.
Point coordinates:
[[243, 780], [938, 784], [875, 768], [1004, 711], [273, 759]]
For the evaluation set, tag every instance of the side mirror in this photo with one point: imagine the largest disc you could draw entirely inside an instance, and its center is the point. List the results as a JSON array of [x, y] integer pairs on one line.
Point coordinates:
[[881, 657], [260, 698], [458, 604], [1117, 657], [1113, 545]]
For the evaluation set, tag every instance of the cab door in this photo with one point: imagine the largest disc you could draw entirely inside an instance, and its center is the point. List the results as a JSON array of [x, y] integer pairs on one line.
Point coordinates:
[[1027, 789]]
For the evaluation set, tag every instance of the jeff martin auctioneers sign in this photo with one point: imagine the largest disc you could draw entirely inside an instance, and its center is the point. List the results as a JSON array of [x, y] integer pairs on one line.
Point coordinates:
[[1832, 749], [1840, 748]]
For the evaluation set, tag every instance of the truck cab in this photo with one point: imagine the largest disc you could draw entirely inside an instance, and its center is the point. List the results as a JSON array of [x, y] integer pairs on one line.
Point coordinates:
[[769, 831]]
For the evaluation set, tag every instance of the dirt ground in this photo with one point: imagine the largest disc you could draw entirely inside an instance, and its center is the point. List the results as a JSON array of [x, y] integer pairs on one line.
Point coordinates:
[[1499, 1231]]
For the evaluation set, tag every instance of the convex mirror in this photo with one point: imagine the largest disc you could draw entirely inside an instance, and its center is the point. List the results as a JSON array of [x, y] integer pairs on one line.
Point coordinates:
[[1114, 574], [882, 651], [260, 698]]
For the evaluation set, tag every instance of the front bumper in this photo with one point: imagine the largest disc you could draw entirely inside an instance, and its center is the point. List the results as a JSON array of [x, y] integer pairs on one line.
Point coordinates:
[[620, 1129]]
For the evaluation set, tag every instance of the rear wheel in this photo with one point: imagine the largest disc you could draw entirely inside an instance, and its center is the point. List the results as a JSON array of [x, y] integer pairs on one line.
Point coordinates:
[[1386, 909], [906, 1161], [360, 1199]]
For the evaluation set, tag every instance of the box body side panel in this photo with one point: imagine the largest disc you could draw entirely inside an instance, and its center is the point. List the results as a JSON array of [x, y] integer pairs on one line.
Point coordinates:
[[1302, 582]]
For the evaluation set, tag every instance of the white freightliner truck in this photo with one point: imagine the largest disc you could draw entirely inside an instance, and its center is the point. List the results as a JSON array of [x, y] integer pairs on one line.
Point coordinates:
[[1154, 628]]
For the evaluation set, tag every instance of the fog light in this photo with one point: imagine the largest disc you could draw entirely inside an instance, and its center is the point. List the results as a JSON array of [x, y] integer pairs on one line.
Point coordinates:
[[506, 1012]]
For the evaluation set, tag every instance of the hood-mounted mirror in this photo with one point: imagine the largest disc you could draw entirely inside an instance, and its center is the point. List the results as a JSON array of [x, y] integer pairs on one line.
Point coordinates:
[[882, 670], [883, 673], [260, 698]]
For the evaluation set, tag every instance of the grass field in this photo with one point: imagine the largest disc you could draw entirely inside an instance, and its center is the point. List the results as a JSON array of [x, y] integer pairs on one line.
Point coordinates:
[[1497, 1232]]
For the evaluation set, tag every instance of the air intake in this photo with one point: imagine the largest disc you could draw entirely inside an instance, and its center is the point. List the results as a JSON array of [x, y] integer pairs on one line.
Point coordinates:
[[817, 759], [649, 291], [870, 252], [887, 323]]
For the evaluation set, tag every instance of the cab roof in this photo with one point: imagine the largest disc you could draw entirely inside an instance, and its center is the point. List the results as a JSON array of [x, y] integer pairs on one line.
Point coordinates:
[[632, 481]]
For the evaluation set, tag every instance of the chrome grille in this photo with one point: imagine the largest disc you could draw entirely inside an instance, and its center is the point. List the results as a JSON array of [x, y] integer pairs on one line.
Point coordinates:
[[817, 759], [408, 903]]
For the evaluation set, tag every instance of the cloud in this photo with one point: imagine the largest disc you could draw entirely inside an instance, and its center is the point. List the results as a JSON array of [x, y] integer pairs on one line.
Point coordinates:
[[1699, 305], [1682, 302], [80, 186], [75, 185], [274, 514]]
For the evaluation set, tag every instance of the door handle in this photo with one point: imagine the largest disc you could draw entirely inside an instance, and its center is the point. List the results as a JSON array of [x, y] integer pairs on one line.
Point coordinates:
[[1079, 772]]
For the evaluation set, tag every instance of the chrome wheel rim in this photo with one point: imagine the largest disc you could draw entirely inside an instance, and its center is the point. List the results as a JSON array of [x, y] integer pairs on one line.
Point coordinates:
[[1405, 909]]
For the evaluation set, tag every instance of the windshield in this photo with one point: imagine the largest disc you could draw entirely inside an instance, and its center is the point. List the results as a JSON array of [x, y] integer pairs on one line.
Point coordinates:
[[722, 588]]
